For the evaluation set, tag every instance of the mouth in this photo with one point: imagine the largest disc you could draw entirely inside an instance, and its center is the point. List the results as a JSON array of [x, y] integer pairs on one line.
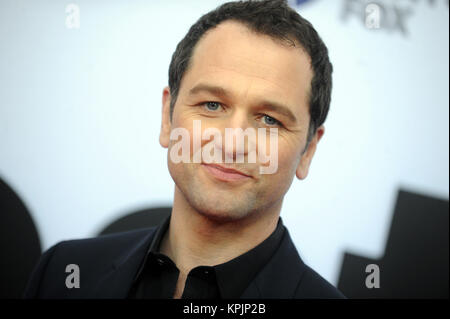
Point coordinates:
[[225, 174]]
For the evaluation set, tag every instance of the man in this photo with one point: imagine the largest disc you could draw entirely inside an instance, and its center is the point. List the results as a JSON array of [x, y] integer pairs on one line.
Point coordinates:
[[249, 66]]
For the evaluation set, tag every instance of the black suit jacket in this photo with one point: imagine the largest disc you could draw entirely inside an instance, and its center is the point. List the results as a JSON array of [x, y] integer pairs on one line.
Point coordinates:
[[109, 263]]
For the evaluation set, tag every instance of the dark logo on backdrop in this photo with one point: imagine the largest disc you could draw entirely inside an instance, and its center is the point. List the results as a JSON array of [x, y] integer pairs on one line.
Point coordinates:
[[392, 16], [388, 15]]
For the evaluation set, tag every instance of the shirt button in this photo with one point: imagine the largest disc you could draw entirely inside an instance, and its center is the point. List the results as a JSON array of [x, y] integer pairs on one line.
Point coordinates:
[[206, 272], [160, 261]]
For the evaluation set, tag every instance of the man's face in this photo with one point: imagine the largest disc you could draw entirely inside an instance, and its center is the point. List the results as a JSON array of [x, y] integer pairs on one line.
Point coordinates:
[[240, 79]]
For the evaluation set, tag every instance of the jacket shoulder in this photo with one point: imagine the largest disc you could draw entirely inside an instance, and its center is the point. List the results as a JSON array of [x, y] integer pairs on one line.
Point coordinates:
[[286, 276], [98, 252], [110, 244], [92, 255]]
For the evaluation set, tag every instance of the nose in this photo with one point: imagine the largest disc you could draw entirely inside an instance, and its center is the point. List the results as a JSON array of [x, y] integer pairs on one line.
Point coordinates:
[[239, 137]]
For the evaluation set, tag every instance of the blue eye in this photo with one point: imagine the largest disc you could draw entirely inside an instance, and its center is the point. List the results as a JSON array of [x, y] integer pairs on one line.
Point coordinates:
[[270, 120], [212, 106]]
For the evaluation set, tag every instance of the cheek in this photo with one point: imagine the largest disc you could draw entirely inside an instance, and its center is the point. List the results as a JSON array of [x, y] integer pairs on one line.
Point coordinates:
[[275, 186], [288, 158], [186, 128], [175, 169]]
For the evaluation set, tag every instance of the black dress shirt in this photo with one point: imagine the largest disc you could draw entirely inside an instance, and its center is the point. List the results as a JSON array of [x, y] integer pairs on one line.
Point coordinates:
[[157, 276]]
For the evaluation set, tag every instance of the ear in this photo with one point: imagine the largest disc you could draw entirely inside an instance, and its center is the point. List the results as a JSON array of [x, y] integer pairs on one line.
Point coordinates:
[[164, 134], [305, 161]]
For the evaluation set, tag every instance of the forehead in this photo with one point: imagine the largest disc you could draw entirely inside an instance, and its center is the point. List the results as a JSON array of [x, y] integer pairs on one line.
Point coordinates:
[[234, 56]]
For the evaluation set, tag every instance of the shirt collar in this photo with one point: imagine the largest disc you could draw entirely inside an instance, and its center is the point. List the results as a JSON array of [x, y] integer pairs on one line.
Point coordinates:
[[155, 243], [235, 275]]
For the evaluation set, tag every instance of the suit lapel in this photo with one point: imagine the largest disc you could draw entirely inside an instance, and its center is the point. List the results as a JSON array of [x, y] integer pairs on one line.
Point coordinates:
[[118, 278], [281, 276]]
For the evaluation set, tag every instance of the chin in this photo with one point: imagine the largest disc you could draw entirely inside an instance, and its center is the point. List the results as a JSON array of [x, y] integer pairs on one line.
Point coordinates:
[[224, 211], [221, 216], [215, 204]]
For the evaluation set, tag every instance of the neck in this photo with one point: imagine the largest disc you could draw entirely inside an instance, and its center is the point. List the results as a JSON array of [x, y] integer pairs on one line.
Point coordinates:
[[193, 239]]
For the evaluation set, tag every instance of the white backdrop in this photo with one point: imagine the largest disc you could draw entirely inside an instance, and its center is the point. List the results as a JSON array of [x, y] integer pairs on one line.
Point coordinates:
[[80, 117]]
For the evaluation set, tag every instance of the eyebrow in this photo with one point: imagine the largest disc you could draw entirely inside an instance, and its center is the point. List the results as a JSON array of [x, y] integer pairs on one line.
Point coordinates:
[[264, 104], [216, 90]]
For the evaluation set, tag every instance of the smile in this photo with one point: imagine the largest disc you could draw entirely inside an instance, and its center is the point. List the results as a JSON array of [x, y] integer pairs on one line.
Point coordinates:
[[225, 174]]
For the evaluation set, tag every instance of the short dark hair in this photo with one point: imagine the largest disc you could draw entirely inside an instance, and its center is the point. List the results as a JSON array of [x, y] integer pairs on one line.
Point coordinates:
[[277, 20]]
